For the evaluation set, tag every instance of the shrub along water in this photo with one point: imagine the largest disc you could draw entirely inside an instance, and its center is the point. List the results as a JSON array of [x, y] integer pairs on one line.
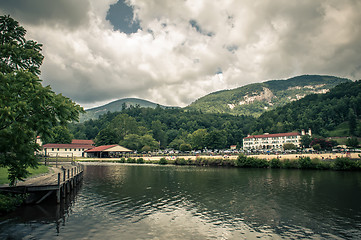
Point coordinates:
[[252, 162], [244, 161]]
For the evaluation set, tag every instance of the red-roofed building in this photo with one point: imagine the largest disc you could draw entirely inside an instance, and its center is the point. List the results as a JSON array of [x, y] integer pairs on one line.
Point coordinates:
[[107, 151], [273, 141]]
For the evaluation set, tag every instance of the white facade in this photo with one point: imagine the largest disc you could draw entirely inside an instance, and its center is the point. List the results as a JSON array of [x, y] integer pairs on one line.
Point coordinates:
[[272, 141], [66, 150]]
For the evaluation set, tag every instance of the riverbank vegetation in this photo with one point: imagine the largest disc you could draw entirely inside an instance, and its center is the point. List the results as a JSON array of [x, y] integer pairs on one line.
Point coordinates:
[[243, 161]]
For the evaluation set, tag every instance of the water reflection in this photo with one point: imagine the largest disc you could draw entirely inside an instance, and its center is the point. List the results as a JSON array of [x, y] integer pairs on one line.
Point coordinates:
[[170, 202], [21, 223]]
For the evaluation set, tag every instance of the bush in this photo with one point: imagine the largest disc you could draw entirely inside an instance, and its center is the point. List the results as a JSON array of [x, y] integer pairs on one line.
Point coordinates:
[[322, 165], [306, 163], [180, 161], [275, 163], [243, 161], [131, 160], [163, 161], [140, 160], [122, 160], [228, 163], [287, 163], [9, 202], [346, 164], [251, 162]]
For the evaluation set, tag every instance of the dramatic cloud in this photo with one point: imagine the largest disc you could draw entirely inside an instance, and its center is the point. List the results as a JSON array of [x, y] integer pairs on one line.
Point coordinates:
[[174, 51]]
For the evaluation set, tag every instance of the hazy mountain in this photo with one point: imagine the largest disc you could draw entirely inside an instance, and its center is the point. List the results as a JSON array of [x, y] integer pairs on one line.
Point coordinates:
[[254, 99], [117, 106]]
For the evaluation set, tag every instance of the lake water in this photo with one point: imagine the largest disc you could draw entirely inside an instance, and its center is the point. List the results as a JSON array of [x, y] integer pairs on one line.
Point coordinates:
[[119, 201]]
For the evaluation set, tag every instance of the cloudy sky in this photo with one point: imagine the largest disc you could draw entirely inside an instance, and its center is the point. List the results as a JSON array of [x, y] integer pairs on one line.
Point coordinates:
[[174, 51]]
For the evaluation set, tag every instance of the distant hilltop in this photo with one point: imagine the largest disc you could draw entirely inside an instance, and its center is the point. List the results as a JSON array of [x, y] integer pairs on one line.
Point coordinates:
[[117, 106]]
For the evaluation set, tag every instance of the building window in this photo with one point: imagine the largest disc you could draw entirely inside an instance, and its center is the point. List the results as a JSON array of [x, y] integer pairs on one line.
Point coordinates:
[[52, 149], [58, 149]]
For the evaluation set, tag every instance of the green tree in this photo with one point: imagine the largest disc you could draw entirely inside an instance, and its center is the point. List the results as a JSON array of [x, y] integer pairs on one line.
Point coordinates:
[[176, 143], [107, 136], [198, 139], [289, 146], [352, 122], [149, 143], [16, 52], [306, 141], [60, 134], [123, 125], [216, 139], [352, 142], [158, 133], [185, 147], [27, 109], [133, 142]]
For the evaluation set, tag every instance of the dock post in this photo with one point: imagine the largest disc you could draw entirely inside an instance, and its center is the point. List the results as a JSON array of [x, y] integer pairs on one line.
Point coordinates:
[[58, 190]]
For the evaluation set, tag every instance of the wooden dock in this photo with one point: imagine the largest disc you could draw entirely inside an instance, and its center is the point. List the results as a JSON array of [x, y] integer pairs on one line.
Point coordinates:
[[61, 182]]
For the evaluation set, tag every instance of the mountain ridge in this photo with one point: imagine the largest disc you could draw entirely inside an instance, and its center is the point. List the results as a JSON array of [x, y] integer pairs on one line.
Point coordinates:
[[118, 105], [256, 98], [251, 99]]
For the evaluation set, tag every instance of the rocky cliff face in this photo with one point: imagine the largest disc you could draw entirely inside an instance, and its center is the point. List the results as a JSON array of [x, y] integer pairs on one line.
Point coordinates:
[[254, 99]]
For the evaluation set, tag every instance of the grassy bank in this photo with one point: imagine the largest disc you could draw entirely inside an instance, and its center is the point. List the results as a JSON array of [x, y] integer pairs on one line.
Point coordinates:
[[33, 172]]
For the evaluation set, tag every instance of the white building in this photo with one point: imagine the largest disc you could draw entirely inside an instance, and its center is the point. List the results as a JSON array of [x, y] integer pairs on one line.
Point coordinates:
[[75, 149], [273, 141]]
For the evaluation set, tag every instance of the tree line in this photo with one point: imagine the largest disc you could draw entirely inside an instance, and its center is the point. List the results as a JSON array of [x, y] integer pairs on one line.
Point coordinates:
[[144, 129]]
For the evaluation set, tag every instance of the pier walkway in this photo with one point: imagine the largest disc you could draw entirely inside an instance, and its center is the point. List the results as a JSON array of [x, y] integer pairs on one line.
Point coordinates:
[[60, 182]]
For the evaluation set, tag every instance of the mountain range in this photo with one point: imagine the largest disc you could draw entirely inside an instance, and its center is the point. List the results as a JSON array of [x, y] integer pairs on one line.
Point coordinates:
[[117, 106], [252, 99], [255, 99]]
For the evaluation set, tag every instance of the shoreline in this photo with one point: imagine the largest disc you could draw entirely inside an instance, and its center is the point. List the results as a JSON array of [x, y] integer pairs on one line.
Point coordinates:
[[321, 156]]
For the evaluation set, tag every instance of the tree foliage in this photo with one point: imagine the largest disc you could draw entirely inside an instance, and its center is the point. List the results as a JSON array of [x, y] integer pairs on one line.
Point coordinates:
[[27, 109], [320, 112], [170, 127]]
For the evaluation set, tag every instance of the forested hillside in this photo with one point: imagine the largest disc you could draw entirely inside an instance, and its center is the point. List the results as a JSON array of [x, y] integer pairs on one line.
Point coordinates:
[[320, 112], [146, 128], [255, 99]]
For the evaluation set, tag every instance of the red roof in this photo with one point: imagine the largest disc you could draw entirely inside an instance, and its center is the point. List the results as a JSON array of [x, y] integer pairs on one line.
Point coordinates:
[[274, 135], [81, 141], [59, 145], [101, 148]]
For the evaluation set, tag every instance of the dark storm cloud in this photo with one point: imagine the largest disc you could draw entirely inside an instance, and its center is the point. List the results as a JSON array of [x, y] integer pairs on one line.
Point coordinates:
[[70, 13], [182, 50]]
